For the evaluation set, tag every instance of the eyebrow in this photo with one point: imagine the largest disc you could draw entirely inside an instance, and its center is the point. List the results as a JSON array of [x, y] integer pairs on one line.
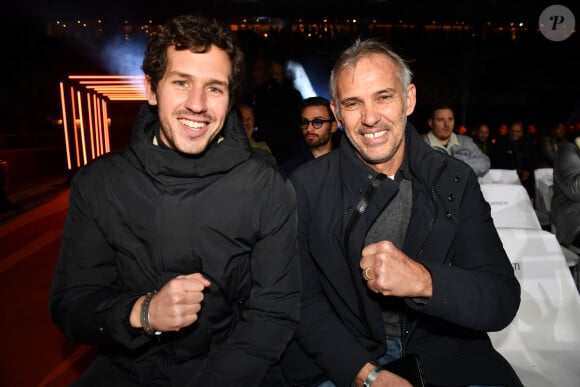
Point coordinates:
[[211, 81], [316, 118], [388, 90]]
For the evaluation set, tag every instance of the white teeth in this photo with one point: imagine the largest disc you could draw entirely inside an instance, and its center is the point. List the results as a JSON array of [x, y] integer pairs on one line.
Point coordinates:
[[192, 124], [375, 134]]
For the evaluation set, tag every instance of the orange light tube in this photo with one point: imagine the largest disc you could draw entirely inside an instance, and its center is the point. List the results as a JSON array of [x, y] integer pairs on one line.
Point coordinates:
[[65, 126], [74, 112], [106, 127], [82, 128], [91, 137], [98, 127]]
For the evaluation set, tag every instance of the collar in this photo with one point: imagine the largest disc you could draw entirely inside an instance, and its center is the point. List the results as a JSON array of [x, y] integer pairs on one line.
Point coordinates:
[[169, 166], [421, 163], [359, 173], [434, 141], [404, 172]]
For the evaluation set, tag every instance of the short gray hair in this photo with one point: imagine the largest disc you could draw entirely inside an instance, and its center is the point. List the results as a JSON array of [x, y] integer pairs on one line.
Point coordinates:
[[363, 48]]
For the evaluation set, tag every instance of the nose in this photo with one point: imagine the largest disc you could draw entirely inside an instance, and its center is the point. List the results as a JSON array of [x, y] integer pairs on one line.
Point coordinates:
[[310, 128], [369, 115], [196, 100]]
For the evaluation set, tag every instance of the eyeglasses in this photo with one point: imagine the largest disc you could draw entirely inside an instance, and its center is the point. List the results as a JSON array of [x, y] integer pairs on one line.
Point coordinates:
[[316, 123]]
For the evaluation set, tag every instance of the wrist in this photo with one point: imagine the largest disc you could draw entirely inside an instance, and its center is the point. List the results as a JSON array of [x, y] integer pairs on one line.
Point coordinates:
[[369, 369], [144, 315], [371, 376]]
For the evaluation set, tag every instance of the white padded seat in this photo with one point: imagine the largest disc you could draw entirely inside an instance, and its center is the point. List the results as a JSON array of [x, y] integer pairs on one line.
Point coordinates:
[[500, 176], [542, 343], [511, 206]]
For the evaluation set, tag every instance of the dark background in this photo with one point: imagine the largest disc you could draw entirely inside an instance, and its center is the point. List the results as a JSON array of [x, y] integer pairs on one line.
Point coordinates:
[[487, 75]]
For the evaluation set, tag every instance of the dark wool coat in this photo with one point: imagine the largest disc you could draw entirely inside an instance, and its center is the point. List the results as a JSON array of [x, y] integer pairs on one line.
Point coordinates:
[[145, 214], [450, 231]]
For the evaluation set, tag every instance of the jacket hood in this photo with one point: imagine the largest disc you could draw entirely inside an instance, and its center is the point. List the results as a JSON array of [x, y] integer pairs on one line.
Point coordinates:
[[168, 166]]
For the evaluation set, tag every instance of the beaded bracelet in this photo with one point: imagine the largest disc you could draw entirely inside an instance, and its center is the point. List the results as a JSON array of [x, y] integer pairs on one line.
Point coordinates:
[[145, 315]]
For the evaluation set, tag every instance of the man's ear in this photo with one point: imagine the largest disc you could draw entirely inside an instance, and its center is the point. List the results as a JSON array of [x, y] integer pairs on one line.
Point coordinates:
[[149, 93], [336, 115], [333, 126], [411, 99]]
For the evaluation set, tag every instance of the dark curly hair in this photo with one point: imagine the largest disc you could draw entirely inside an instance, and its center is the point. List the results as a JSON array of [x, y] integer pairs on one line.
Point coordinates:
[[198, 34]]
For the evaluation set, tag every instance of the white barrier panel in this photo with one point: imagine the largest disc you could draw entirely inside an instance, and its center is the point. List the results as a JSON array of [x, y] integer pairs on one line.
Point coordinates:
[[511, 206], [500, 176], [543, 341]]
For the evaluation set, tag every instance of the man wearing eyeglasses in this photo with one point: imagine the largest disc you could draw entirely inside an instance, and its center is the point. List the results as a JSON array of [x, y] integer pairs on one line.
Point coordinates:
[[319, 131]]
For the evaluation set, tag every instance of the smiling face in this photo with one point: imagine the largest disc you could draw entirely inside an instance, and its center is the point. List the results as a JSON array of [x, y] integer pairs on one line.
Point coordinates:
[[373, 108], [192, 98]]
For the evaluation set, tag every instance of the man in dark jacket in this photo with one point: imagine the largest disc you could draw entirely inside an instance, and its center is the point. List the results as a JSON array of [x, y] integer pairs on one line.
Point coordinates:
[[516, 151], [399, 254], [319, 133], [179, 255], [566, 198]]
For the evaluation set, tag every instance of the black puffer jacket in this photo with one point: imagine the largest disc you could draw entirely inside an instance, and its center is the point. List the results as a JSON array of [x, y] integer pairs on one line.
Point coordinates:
[[141, 216]]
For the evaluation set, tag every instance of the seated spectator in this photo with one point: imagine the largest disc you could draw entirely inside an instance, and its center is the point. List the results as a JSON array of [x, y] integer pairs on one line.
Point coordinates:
[[502, 131], [482, 139], [442, 138], [549, 144], [277, 108], [416, 267], [566, 198], [249, 124], [532, 134], [318, 127], [515, 151]]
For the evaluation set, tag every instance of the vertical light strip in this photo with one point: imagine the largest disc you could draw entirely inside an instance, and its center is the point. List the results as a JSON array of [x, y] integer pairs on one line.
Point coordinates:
[[82, 128], [96, 101], [74, 112], [100, 127], [97, 119], [106, 126], [65, 126], [90, 111]]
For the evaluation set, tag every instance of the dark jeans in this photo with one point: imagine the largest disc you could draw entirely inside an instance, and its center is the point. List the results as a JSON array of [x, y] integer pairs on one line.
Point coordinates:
[[394, 349]]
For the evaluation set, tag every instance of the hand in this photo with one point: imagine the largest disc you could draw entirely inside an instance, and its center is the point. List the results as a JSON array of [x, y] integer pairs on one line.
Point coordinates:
[[390, 272], [175, 305], [385, 378], [389, 379]]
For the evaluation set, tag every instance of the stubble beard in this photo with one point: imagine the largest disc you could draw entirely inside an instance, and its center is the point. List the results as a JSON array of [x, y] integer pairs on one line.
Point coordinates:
[[392, 150]]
